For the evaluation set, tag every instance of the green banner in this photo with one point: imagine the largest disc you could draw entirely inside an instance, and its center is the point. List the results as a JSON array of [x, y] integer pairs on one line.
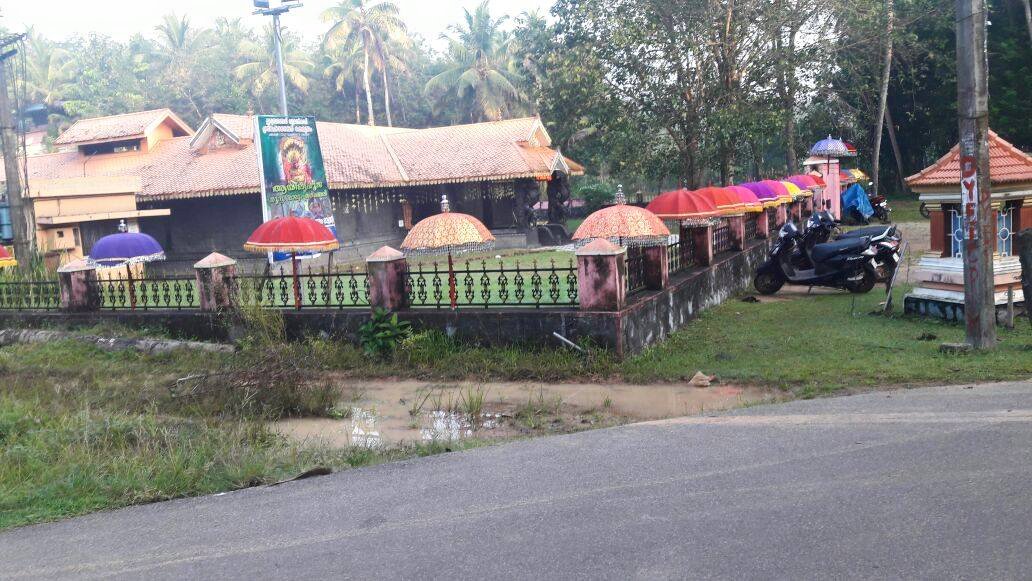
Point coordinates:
[[293, 174]]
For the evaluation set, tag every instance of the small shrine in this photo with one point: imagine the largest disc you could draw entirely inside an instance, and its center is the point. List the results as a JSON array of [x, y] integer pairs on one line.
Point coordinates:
[[939, 278]]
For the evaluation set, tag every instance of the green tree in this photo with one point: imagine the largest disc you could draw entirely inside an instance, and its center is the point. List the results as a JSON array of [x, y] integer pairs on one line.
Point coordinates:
[[179, 47], [479, 77], [49, 70], [259, 70], [357, 23]]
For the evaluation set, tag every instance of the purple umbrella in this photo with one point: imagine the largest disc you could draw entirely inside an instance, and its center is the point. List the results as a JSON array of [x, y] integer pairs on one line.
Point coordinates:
[[124, 249], [763, 192]]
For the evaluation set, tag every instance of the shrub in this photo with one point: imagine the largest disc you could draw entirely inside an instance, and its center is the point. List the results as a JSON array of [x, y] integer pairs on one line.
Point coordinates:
[[596, 196], [382, 334]]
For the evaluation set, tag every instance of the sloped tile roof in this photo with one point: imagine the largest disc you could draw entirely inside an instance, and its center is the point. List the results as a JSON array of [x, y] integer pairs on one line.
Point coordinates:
[[1007, 165], [114, 127], [356, 156]]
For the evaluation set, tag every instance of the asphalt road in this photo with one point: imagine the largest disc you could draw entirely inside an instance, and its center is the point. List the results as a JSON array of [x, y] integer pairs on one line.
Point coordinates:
[[932, 483]]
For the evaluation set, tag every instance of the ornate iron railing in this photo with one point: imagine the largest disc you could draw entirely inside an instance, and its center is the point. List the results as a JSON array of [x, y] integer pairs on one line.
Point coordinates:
[[170, 293], [722, 237], [29, 295], [492, 283], [315, 290], [751, 227], [681, 254], [635, 270]]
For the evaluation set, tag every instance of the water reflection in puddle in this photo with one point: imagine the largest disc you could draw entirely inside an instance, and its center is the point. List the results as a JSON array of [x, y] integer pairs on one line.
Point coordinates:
[[409, 411]]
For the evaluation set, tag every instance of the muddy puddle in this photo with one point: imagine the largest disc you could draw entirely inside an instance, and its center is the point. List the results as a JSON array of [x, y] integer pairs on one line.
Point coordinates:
[[378, 413]]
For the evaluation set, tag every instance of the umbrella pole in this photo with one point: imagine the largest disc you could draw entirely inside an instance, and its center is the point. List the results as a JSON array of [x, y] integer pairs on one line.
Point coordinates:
[[297, 282], [452, 293], [132, 289]]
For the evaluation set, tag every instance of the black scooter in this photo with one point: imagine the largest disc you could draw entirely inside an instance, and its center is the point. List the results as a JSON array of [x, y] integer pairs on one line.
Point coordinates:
[[822, 226], [846, 264]]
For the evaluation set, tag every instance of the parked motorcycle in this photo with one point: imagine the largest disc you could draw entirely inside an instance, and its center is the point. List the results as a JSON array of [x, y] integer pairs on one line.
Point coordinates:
[[881, 209], [847, 264], [822, 227]]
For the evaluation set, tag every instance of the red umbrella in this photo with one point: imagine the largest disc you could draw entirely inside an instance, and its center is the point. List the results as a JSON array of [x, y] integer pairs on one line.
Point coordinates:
[[292, 234], [682, 205], [802, 180]]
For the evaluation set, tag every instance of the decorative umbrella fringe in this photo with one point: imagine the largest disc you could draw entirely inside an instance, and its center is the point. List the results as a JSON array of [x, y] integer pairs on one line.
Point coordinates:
[[453, 249], [259, 248], [639, 242], [116, 262]]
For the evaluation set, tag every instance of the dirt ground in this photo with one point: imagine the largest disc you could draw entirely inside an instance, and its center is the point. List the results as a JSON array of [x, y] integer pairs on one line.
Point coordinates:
[[390, 412]]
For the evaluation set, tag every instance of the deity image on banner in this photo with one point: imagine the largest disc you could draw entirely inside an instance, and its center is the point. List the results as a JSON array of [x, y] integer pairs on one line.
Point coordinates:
[[295, 167]]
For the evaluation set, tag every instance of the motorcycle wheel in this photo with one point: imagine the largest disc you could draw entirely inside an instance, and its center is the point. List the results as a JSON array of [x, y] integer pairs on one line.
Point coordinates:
[[884, 218], [862, 286], [768, 283]]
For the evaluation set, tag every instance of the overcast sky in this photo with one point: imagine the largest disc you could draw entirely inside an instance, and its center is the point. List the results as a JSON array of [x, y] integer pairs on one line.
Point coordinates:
[[58, 19]]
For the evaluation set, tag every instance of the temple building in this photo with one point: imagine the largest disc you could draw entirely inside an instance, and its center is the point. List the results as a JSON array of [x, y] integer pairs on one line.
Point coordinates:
[[939, 286], [198, 191]]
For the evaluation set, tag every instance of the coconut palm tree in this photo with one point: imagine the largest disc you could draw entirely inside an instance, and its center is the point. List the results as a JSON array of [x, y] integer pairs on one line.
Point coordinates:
[[49, 70], [179, 46], [371, 26], [260, 73], [347, 70], [480, 75]]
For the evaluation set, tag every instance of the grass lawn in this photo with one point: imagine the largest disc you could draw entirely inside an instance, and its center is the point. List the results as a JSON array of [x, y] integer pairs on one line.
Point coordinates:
[[906, 209]]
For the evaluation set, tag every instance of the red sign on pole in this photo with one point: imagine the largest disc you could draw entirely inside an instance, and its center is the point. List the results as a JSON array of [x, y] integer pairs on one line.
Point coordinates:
[[969, 195]]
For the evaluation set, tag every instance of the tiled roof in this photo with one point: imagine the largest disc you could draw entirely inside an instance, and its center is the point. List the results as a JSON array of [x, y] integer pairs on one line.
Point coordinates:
[[1007, 165], [356, 156], [117, 127]]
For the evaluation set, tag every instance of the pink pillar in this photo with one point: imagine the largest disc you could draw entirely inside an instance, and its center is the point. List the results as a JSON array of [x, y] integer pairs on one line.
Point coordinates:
[[657, 267], [216, 282], [832, 187], [602, 276], [703, 238], [386, 272], [782, 215], [78, 281], [737, 225]]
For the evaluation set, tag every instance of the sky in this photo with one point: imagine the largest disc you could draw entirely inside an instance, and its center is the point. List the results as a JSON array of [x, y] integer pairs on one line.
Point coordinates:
[[57, 19]]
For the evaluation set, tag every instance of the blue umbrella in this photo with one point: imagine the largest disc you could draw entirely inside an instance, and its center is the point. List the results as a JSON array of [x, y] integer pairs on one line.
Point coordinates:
[[830, 148]]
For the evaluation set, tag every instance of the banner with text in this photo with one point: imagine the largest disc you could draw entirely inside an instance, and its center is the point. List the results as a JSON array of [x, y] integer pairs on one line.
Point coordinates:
[[292, 171]]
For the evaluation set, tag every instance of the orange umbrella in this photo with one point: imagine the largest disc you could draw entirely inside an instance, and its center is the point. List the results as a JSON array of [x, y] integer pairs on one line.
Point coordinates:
[[727, 202], [447, 233], [5, 258], [624, 225], [752, 203]]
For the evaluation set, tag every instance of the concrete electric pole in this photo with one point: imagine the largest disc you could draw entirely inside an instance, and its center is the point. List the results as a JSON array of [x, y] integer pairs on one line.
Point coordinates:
[[979, 227], [23, 218]]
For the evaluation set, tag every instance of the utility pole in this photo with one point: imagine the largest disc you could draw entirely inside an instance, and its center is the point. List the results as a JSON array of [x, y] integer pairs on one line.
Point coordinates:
[[262, 7], [23, 217], [979, 226]]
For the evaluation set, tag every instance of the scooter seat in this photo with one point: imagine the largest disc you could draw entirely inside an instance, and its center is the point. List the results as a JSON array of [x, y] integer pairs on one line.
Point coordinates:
[[872, 231], [822, 252]]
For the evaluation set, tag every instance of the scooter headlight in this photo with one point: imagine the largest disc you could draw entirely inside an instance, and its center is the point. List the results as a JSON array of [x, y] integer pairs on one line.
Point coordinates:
[[870, 251]]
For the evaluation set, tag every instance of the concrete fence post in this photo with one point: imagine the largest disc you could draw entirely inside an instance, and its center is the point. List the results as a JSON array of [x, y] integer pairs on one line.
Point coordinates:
[[657, 267], [602, 276], [386, 270], [216, 283], [737, 227], [762, 225], [782, 215], [703, 239], [78, 284]]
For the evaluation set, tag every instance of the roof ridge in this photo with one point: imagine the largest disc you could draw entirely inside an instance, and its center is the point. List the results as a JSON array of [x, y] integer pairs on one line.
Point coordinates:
[[159, 110], [394, 157]]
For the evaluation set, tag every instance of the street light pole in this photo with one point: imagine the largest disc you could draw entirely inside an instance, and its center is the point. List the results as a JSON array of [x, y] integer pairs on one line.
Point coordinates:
[[278, 42], [979, 225]]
